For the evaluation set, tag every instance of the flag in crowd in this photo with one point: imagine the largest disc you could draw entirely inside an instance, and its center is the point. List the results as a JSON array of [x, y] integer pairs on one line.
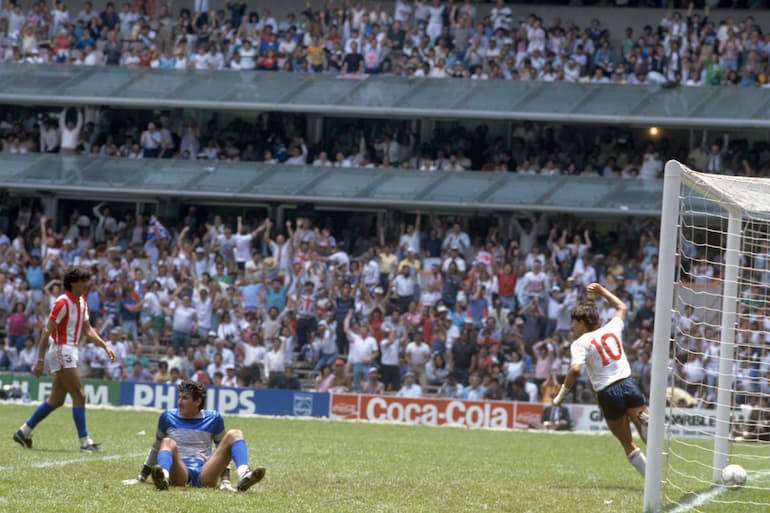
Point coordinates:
[[156, 231]]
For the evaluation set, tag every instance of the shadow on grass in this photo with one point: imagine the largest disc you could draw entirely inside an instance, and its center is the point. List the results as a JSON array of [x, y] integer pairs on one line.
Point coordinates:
[[60, 450], [624, 488]]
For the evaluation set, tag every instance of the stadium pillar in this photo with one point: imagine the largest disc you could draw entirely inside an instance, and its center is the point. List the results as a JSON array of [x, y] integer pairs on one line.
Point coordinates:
[[315, 129], [51, 204], [427, 129]]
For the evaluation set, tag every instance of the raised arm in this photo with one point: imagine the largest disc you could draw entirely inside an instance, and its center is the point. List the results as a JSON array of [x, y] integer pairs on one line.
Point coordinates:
[[289, 232], [346, 324], [43, 234], [620, 307], [262, 228], [63, 118], [266, 232], [180, 239], [587, 238], [79, 124]]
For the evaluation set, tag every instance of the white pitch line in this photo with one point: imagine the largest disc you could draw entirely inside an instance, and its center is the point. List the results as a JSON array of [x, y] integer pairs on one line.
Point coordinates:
[[702, 498], [699, 500], [61, 463]]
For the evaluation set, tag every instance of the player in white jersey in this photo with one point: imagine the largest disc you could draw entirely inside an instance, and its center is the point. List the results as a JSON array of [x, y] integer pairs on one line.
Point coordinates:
[[600, 349], [67, 321], [182, 450]]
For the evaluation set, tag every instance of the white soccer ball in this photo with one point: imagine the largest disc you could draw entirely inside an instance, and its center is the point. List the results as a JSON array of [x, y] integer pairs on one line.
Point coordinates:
[[734, 476]]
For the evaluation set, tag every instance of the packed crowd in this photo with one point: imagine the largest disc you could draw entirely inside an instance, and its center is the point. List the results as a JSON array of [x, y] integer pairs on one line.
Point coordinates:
[[535, 149], [423, 304], [416, 39]]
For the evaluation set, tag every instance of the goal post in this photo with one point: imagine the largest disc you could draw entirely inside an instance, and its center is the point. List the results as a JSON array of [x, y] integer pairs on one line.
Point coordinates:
[[711, 314], [661, 336]]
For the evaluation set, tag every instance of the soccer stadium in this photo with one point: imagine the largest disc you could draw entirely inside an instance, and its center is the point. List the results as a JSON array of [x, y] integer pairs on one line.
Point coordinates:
[[395, 256]]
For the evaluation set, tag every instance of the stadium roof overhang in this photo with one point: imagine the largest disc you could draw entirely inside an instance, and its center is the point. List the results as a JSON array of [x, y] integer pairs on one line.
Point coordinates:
[[386, 97], [343, 187]]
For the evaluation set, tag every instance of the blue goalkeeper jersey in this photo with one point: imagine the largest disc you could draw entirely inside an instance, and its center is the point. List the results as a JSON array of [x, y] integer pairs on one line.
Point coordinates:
[[193, 435]]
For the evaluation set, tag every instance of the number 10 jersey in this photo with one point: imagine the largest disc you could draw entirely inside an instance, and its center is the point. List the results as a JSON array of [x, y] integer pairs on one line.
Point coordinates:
[[601, 351]]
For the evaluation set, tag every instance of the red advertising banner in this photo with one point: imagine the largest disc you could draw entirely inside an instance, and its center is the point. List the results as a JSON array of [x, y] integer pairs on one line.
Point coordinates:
[[527, 414], [432, 412], [344, 406]]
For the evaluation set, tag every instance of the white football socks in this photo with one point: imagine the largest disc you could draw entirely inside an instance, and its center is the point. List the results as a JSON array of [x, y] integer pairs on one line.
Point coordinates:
[[242, 471], [637, 459], [26, 430]]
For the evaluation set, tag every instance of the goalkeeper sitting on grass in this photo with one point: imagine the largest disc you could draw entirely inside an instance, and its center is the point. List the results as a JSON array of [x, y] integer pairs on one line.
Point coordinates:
[[181, 454]]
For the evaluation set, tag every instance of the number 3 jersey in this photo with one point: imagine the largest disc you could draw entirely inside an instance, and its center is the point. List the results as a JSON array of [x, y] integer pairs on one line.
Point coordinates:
[[602, 353]]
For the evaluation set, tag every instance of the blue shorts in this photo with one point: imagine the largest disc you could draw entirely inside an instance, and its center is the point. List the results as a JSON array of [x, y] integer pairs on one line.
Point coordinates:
[[616, 398], [194, 467]]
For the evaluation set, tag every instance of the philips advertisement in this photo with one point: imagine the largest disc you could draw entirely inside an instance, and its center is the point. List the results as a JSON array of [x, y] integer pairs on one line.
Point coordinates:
[[231, 401]]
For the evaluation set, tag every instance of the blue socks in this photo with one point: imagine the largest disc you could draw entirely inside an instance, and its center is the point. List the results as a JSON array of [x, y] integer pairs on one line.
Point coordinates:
[[79, 415], [39, 414], [165, 460], [240, 453]]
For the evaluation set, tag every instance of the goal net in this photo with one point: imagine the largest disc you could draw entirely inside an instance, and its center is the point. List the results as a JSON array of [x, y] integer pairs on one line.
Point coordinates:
[[711, 357]]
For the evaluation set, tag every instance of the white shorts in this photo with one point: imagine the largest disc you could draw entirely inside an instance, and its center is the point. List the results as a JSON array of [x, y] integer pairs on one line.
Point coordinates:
[[62, 356]]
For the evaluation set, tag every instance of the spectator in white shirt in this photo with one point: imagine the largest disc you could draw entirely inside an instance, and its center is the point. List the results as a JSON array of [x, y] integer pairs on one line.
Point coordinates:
[[243, 242], [70, 132], [454, 256], [203, 311], [403, 286], [456, 237], [275, 363], [298, 154], [410, 238], [417, 355], [362, 352], [183, 323], [325, 342], [652, 166], [410, 388], [217, 365], [253, 354], [151, 140], [49, 137]]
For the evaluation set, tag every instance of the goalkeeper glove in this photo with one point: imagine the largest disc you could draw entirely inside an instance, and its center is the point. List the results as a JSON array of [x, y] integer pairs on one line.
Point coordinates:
[[138, 479], [560, 396], [227, 485], [141, 478]]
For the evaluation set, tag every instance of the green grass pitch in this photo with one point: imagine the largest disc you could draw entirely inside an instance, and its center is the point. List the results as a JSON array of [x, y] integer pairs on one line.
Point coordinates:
[[327, 466]]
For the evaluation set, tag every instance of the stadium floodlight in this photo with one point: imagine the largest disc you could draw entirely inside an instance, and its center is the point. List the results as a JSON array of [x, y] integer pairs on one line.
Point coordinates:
[[712, 301]]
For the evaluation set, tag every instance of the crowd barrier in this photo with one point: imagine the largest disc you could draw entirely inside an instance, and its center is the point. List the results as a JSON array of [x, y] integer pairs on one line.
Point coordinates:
[[507, 415]]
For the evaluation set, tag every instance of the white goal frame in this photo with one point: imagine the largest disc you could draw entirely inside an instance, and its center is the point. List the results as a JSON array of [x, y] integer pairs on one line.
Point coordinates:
[[675, 175]]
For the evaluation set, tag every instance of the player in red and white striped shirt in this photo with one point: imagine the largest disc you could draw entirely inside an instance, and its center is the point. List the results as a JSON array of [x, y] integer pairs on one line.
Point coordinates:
[[66, 323]]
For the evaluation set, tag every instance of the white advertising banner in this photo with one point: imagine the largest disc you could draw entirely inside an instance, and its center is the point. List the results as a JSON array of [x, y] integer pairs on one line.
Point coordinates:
[[684, 421]]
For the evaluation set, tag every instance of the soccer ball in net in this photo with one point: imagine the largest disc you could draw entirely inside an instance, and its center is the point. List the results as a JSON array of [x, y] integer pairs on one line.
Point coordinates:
[[734, 476]]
